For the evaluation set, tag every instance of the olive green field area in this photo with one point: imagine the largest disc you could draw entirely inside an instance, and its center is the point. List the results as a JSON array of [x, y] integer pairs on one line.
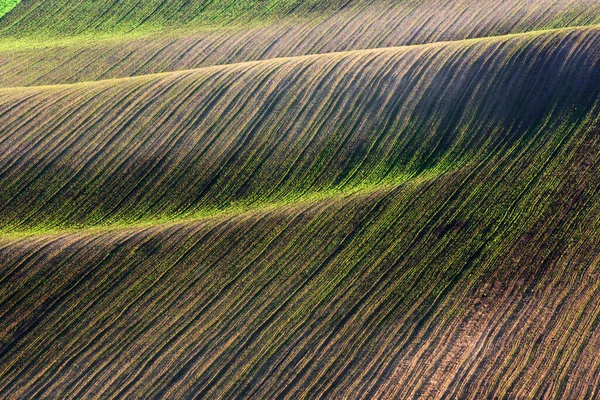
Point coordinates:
[[299, 199]]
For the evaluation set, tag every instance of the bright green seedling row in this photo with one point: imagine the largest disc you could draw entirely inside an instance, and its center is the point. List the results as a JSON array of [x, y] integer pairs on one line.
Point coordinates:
[[7, 5], [65, 17], [62, 17]]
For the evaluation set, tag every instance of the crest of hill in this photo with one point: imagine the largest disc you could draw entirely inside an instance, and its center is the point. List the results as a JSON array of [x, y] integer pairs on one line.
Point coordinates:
[[59, 41], [64, 18]]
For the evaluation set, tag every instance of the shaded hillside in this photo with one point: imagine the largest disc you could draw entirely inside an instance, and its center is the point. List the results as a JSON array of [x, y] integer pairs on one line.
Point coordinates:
[[182, 143], [126, 38], [480, 282]]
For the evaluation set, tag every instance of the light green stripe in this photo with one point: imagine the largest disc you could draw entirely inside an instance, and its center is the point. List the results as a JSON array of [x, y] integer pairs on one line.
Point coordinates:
[[7, 5]]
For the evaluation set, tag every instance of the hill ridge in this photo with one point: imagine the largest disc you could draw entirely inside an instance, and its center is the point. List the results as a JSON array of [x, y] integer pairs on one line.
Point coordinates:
[[378, 24], [412, 83], [314, 56]]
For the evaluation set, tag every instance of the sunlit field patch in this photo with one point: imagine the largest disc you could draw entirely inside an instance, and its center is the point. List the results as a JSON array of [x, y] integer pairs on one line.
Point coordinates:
[[7, 5]]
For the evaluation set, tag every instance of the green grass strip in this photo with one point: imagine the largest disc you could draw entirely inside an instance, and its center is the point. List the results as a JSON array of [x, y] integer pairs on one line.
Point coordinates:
[[7, 5]]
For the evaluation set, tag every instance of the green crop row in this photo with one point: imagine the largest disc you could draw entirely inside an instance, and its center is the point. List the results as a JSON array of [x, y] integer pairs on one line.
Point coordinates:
[[6, 6]]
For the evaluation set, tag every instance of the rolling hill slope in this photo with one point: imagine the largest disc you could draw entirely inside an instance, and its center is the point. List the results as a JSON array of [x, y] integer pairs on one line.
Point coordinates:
[[418, 221], [67, 18], [246, 134], [447, 286], [59, 41]]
